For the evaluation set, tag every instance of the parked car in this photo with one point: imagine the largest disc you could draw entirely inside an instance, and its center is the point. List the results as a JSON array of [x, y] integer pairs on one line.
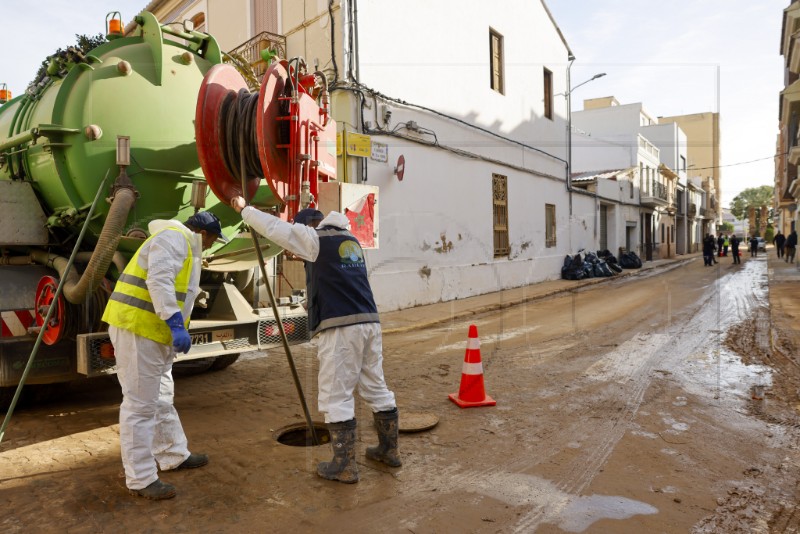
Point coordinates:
[[762, 245]]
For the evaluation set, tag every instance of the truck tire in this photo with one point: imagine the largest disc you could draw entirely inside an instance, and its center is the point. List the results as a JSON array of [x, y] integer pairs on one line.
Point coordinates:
[[221, 362], [192, 367]]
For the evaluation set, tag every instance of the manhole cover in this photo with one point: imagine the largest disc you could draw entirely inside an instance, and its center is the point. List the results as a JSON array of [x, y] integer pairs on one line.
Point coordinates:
[[417, 421], [299, 435]]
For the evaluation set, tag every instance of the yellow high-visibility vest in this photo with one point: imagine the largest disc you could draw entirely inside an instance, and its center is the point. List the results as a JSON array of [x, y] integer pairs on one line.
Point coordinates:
[[130, 306]]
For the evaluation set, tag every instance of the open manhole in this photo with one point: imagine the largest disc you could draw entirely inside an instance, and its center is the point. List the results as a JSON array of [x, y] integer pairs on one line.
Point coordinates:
[[299, 435]]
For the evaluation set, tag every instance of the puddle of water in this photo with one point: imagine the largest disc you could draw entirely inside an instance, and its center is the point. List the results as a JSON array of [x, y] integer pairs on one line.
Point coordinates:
[[581, 512], [727, 374], [571, 513]]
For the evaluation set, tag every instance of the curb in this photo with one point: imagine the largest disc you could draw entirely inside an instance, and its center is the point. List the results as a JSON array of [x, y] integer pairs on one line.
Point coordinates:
[[511, 303]]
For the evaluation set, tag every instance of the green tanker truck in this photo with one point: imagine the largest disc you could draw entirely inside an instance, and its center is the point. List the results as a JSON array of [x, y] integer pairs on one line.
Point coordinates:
[[122, 122]]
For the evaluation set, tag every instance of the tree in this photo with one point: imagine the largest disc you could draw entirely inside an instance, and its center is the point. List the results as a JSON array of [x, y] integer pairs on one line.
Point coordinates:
[[754, 204], [726, 227], [84, 43]]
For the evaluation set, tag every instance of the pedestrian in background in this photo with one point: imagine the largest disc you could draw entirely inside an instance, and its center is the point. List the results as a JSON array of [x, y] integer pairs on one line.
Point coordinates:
[[708, 250], [148, 314], [720, 244], [735, 249], [791, 246], [779, 241], [725, 245], [754, 247], [342, 310]]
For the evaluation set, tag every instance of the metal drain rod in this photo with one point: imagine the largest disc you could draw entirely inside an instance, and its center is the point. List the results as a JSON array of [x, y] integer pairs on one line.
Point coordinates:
[[274, 305]]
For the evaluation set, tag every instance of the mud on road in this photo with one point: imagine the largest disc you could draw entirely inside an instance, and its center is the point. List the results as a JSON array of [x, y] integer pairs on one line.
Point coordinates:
[[623, 407]]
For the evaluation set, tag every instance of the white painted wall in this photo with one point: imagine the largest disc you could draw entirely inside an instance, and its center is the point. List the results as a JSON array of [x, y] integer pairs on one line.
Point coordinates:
[[437, 224], [598, 154], [671, 142]]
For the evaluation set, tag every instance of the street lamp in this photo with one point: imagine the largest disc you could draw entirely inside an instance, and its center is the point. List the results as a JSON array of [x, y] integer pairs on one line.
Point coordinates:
[[568, 96]]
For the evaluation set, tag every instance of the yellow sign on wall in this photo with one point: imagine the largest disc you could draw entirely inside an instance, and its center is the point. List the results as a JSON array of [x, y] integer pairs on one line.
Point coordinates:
[[357, 144]]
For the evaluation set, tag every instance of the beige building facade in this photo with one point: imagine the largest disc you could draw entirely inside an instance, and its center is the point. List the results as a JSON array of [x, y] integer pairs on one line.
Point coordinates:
[[703, 151], [787, 155]]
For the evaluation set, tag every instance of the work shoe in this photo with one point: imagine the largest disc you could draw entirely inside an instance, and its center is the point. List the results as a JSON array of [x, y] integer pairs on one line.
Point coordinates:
[[343, 465], [194, 460], [386, 424], [156, 491]]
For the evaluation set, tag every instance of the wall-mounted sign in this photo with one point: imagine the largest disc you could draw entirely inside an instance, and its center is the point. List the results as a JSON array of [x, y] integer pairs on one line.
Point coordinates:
[[358, 145], [380, 152], [401, 167]]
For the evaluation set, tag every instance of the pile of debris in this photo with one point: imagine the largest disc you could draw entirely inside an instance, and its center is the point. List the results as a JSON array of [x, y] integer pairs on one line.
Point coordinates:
[[602, 264]]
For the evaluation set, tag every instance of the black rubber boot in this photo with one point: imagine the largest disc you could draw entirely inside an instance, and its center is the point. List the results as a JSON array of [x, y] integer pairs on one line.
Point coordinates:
[[156, 491], [386, 423], [193, 461], [343, 465]]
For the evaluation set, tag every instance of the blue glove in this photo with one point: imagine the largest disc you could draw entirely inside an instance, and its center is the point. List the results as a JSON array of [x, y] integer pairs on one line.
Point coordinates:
[[180, 337]]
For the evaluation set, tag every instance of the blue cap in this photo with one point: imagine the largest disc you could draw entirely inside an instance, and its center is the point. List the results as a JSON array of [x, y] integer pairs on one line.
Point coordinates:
[[308, 215], [205, 220]]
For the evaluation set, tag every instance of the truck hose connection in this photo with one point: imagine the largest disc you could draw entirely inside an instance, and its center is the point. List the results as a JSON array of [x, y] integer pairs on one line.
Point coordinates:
[[75, 288]]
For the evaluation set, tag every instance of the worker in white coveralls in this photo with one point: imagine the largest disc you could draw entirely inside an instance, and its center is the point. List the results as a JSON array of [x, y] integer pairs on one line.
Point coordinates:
[[148, 316], [342, 311]]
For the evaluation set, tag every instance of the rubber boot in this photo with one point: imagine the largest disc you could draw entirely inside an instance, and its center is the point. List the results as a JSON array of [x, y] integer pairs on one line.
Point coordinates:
[[386, 424], [156, 491], [343, 465]]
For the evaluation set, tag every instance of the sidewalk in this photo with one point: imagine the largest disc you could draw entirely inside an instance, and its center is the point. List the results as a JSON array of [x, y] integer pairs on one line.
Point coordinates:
[[442, 312], [784, 302]]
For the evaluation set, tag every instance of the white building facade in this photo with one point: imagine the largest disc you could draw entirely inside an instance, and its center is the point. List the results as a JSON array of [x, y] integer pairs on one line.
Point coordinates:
[[483, 203]]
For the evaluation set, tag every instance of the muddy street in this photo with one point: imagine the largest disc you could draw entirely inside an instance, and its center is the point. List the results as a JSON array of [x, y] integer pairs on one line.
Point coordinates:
[[624, 407]]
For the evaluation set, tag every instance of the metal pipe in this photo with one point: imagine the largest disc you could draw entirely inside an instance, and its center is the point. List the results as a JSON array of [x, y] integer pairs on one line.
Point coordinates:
[[16, 260], [19, 139]]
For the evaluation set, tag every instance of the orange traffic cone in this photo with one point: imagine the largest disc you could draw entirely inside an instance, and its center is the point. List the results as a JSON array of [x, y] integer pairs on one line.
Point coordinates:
[[471, 393]]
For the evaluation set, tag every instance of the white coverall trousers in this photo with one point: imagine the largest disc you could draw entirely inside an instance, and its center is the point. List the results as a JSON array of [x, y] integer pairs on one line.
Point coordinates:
[[351, 356], [149, 428]]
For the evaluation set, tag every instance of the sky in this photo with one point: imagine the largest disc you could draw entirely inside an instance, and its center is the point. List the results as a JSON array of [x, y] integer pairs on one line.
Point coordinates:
[[675, 57], [679, 57]]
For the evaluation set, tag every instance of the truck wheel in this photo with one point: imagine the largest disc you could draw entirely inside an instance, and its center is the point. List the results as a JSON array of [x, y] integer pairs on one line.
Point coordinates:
[[221, 362], [192, 367]]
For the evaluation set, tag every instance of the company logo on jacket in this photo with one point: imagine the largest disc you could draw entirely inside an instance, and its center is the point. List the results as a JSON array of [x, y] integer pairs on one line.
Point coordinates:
[[351, 254]]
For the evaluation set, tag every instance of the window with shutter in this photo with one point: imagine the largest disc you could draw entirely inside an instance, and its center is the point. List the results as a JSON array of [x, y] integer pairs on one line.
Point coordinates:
[[496, 59], [500, 214]]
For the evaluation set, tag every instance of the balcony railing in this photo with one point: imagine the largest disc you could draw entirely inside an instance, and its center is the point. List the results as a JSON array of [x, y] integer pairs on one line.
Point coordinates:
[[249, 53], [709, 213], [655, 195]]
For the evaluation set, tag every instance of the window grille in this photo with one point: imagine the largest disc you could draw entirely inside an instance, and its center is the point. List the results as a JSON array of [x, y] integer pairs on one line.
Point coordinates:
[[500, 213]]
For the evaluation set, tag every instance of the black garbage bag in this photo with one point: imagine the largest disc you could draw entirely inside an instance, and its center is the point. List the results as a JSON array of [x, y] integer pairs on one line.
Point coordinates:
[[630, 260], [604, 267], [607, 256], [588, 270], [573, 268], [614, 267]]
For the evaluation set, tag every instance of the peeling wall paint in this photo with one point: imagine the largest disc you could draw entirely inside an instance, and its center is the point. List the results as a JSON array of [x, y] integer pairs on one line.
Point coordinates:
[[445, 246]]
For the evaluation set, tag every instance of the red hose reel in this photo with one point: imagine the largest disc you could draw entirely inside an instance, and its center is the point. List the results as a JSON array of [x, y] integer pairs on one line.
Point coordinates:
[[290, 134]]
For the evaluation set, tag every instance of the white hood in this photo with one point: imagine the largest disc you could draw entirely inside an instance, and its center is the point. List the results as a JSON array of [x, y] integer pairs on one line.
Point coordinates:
[[195, 239], [336, 219]]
